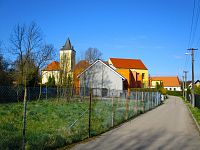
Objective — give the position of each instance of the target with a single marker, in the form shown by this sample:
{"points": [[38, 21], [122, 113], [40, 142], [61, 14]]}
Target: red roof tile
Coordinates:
{"points": [[54, 66], [128, 63], [168, 81]]}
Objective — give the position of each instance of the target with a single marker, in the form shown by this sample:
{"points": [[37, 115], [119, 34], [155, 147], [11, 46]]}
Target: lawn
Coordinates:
{"points": [[52, 124]]}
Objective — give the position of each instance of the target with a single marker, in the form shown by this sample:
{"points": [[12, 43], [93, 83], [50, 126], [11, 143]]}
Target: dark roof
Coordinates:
{"points": [[197, 81], [67, 45]]}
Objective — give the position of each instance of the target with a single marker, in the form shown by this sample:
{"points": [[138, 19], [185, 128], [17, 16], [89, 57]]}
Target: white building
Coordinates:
{"points": [[101, 76], [170, 83], [64, 67]]}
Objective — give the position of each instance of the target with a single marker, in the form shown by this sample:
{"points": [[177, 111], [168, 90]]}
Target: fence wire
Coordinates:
{"points": [[56, 117]]}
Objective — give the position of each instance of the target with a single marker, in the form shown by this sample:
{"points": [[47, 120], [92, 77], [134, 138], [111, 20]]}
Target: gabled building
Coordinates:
{"points": [[99, 76], [170, 83], [64, 68], [117, 73], [133, 70]]}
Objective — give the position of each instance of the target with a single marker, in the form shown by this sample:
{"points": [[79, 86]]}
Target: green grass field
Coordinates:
{"points": [[52, 123]]}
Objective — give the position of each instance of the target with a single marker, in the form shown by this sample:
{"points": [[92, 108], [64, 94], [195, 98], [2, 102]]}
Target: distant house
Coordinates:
{"points": [[197, 83], [170, 83], [52, 69], [133, 70], [99, 76]]}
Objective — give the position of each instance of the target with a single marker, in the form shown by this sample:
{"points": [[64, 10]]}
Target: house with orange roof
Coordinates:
{"points": [[171, 83], [52, 69], [133, 70], [117, 74]]}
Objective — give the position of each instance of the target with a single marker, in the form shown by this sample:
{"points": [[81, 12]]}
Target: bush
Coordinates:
{"points": [[144, 90], [174, 93]]}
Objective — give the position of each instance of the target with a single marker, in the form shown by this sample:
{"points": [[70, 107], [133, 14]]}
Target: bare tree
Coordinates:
{"points": [[92, 54], [27, 44], [44, 55]]}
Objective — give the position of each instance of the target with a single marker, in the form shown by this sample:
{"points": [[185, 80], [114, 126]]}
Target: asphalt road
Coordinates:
{"points": [[168, 127]]}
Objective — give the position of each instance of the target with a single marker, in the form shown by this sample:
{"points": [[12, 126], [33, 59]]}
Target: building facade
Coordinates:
{"points": [[63, 69], [134, 69], [100, 76], [171, 83]]}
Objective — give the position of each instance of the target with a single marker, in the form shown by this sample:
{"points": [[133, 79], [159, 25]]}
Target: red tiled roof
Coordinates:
{"points": [[128, 63], [53, 66], [168, 81], [81, 65]]}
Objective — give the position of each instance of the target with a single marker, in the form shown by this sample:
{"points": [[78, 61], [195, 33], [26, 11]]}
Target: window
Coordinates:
{"points": [[174, 89], [170, 89], [143, 75]]}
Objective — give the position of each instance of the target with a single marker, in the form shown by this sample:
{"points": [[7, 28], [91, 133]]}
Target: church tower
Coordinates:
{"points": [[67, 58]]}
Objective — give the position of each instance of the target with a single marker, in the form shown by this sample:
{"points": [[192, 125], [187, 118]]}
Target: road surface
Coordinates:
{"points": [[168, 127]]}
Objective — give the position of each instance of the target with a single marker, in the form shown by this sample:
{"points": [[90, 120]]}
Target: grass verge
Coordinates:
{"points": [[195, 113]]}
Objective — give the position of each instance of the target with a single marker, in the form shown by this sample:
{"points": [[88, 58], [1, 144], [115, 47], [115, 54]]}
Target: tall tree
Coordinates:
{"points": [[31, 51], [92, 54], [29, 47]]}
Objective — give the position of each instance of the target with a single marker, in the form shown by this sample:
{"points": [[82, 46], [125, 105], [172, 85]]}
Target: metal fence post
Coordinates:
{"points": [[136, 102], [46, 92], [127, 106], [112, 110], [143, 105], [90, 110]]}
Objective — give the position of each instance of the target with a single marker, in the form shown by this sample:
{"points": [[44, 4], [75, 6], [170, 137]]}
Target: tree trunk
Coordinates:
{"points": [[24, 118]]}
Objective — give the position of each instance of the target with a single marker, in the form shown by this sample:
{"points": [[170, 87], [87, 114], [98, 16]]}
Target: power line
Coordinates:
{"points": [[196, 22], [191, 28]]}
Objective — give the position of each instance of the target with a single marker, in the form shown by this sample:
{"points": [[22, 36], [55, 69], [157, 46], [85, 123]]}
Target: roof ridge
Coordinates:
{"points": [[128, 63], [124, 58]]}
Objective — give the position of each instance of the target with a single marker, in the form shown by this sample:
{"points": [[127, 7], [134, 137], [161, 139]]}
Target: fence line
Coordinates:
{"points": [[63, 116], [197, 99]]}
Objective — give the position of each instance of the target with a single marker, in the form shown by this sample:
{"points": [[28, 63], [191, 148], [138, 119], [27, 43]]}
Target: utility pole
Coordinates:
{"points": [[185, 86], [192, 54]]}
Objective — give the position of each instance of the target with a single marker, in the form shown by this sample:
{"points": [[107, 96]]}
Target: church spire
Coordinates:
{"points": [[67, 45]]}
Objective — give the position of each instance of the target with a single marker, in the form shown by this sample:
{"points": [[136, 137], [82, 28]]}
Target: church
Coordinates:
{"points": [[63, 69]]}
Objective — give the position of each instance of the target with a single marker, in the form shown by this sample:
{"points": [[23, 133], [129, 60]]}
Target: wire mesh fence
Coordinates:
{"points": [[197, 99], [56, 117]]}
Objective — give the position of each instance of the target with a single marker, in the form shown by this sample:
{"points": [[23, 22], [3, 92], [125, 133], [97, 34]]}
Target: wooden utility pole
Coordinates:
{"points": [[185, 84], [192, 54]]}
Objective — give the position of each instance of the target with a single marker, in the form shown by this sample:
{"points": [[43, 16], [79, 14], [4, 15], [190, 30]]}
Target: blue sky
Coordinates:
{"points": [[155, 31]]}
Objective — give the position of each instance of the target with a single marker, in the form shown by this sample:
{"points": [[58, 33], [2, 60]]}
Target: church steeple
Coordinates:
{"points": [[67, 45], [67, 57]]}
